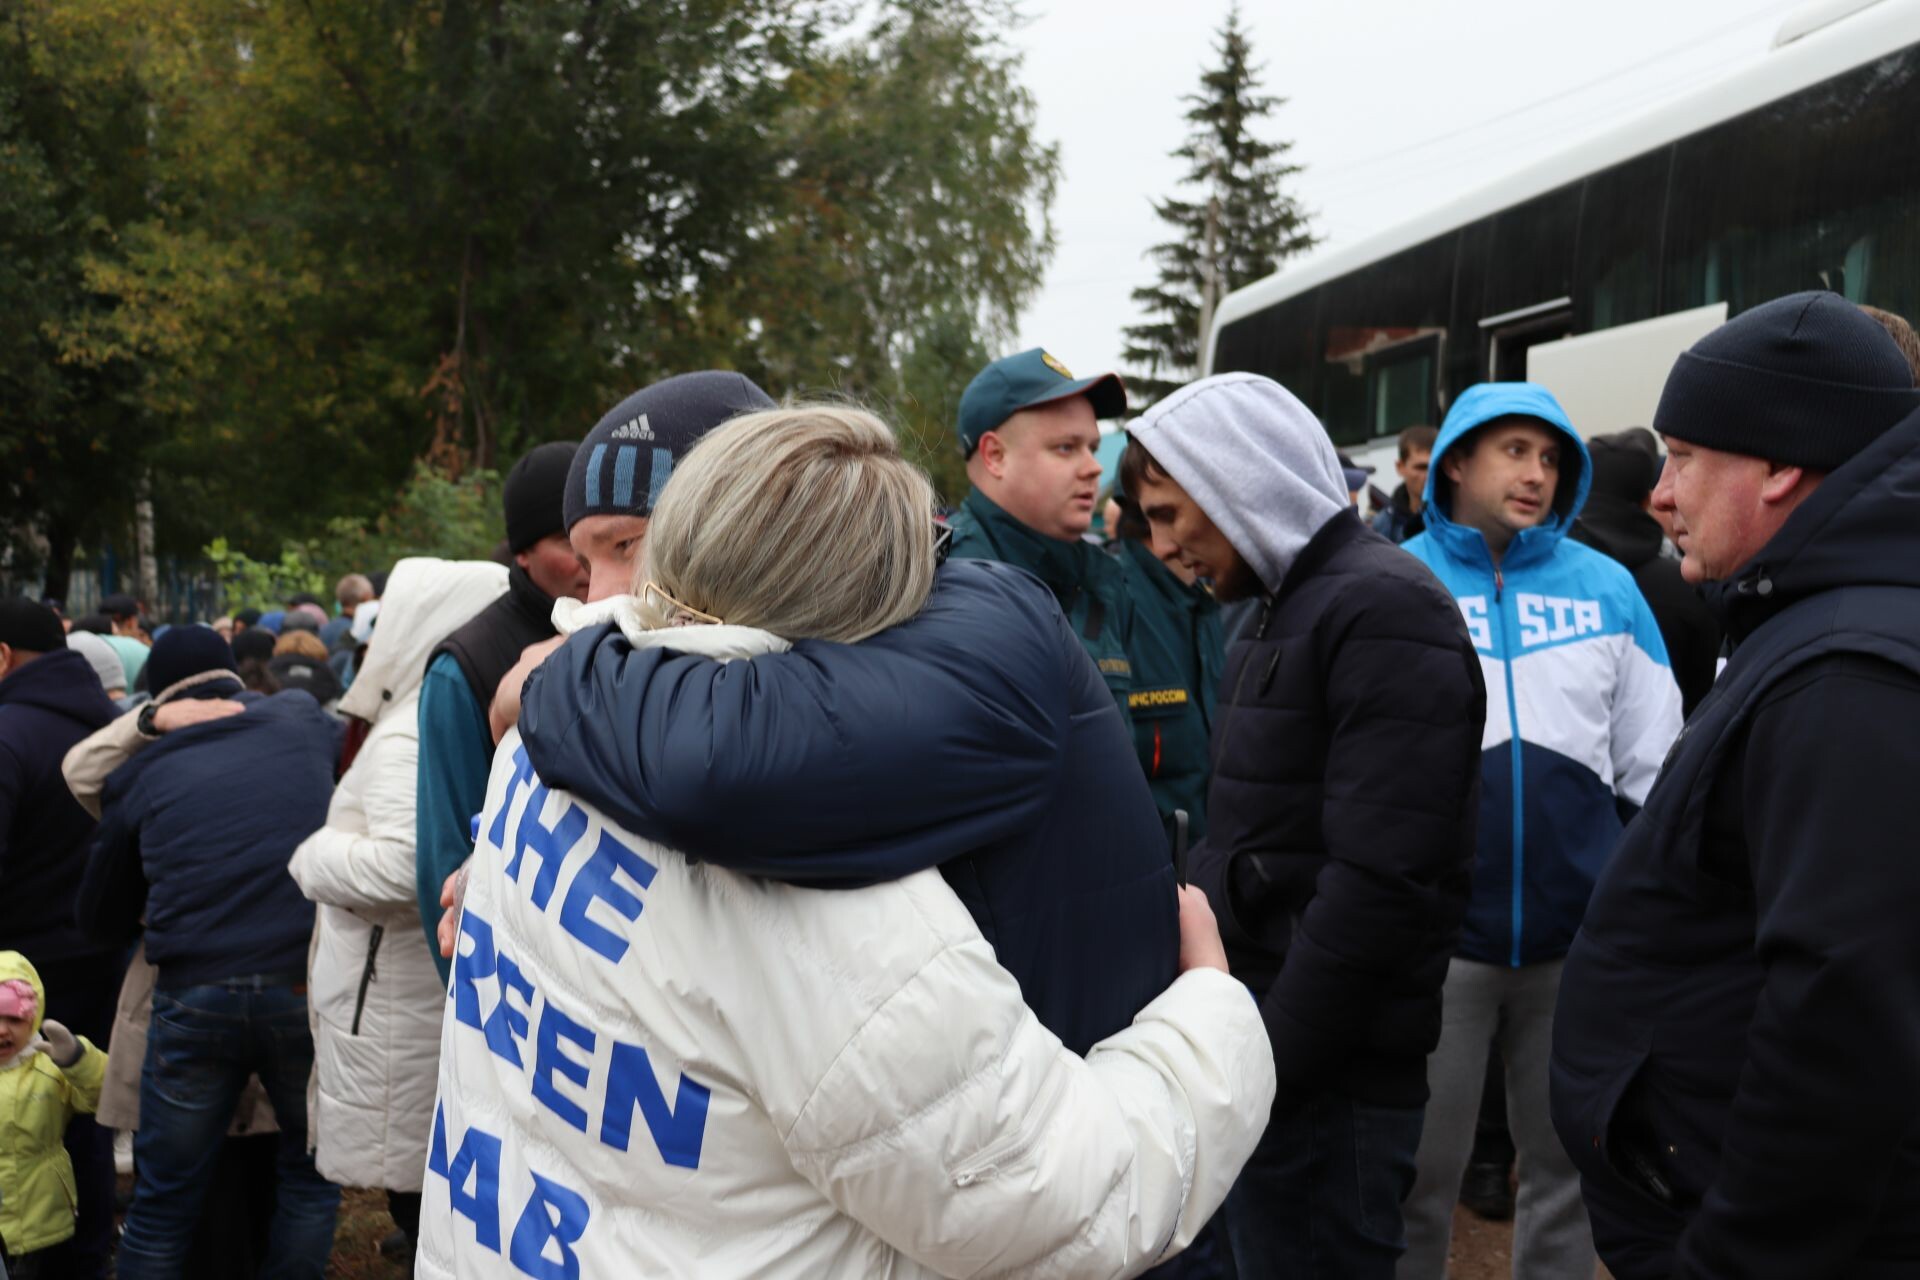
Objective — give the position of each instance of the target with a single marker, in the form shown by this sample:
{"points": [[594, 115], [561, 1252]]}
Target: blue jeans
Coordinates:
{"points": [[1321, 1196], [203, 1044]]}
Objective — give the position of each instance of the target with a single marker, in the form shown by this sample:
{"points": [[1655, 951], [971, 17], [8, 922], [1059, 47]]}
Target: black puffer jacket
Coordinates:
{"points": [[1343, 812], [1736, 1053]]}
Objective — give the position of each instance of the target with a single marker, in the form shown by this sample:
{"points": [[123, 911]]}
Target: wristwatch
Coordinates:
{"points": [[145, 723]]}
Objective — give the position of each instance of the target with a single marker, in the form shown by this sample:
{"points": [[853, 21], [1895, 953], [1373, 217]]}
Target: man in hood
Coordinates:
{"points": [[1028, 429], [1341, 812], [50, 698], [1582, 707], [1616, 521], [1735, 1058]]}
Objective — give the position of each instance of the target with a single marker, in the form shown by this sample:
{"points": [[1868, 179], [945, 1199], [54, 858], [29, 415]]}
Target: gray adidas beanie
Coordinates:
{"points": [[625, 461]]}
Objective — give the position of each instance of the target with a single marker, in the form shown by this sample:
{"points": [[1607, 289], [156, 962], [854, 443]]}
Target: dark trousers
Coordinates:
{"points": [[202, 1045], [1320, 1199]]}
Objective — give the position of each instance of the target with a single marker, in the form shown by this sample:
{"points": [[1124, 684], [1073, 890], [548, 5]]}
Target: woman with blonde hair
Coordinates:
{"points": [[652, 1065]]}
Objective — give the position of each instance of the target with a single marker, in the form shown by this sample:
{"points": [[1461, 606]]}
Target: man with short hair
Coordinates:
{"points": [[1028, 429], [456, 746], [351, 592], [1402, 519], [1341, 811], [194, 838], [51, 698], [1582, 707], [1737, 1047]]}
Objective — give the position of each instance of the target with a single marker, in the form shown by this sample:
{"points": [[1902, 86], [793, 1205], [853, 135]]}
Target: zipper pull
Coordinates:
{"points": [[1499, 583]]}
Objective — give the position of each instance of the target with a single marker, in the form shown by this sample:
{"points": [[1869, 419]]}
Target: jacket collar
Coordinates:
{"points": [[1063, 566], [1333, 535], [722, 643], [63, 682]]}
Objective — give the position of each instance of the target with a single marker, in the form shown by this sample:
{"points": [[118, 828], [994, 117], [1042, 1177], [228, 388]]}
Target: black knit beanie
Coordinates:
{"points": [[624, 462], [186, 651], [30, 626], [533, 494], [1806, 380]]}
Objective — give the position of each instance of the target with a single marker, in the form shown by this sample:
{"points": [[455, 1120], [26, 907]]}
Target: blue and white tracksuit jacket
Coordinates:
{"points": [[1581, 702]]}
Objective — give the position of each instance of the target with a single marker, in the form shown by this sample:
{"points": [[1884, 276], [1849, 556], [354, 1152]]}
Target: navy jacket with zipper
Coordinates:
{"points": [[978, 738], [196, 831]]}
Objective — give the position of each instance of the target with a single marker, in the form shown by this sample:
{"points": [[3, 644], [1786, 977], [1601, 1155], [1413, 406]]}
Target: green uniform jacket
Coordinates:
{"points": [[1084, 579], [36, 1101], [1179, 649]]}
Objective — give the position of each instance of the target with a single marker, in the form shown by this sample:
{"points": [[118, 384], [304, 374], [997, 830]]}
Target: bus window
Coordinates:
{"points": [[1616, 274], [1278, 342], [1380, 354], [1815, 191], [1532, 257]]}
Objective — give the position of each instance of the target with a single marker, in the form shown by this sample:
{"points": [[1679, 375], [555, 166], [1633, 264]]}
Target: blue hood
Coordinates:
{"points": [[1484, 403]]}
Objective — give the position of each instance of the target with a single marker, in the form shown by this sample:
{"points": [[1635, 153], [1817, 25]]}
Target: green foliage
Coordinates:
{"points": [[246, 583], [433, 516], [277, 252], [1240, 226]]}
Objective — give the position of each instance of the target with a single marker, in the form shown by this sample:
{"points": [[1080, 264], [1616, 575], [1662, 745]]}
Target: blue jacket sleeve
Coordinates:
{"points": [[832, 765], [456, 750]]}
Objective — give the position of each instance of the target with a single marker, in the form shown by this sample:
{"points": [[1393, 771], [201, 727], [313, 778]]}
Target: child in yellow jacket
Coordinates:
{"points": [[46, 1075]]}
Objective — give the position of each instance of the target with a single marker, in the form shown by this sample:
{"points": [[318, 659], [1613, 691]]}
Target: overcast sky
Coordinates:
{"points": [[1393, 106]]}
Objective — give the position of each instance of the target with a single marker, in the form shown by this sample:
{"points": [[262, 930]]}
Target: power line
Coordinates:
{"points": [[1485, 148], [1674, 51]]}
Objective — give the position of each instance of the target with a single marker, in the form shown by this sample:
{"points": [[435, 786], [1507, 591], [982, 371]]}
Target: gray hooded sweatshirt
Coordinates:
{"points": [[1258, 463]]}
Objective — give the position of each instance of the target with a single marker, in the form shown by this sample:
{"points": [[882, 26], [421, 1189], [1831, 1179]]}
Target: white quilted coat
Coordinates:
{"points": [[375, 995], [651, 1067]]}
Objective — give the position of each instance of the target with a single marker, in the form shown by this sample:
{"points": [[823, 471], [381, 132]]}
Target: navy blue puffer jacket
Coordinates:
{"points": [[978, 738], [196, 831]]}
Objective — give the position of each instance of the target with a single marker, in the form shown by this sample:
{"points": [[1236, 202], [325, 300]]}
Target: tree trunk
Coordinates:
{"points": [[61, 541], [148, 566]]}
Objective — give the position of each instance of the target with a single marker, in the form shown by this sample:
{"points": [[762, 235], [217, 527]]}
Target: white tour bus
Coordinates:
{"points": [[1591, 271]]}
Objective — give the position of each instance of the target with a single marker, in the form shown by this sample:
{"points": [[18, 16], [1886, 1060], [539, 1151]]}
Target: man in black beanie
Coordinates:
{"points": [[456, 747], [191, 857], [1615, 521], [1737, 1041]]}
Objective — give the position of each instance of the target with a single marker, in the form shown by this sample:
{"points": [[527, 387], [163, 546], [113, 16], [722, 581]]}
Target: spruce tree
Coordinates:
{"points": [[1239, 226]]}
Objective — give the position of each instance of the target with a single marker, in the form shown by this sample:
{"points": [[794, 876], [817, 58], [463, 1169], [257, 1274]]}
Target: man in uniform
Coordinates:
{"points": [[1029, 429]]}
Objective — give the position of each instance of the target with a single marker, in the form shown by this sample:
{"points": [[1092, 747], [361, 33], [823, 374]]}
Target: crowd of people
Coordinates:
{"points": [[904, 874]]}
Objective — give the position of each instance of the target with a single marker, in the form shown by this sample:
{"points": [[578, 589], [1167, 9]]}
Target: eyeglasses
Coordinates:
{"points": [[675, 608]]}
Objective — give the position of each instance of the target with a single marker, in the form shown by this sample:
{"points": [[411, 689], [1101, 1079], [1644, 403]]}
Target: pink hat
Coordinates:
{"points": [[17, 999]]}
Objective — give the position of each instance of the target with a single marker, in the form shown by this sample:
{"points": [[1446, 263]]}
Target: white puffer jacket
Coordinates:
{"points": [[375, 995], [652, 1067]]}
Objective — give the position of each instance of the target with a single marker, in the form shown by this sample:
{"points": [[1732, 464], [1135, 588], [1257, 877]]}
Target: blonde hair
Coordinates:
{"points": [[805, 521], [304, 643]]}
